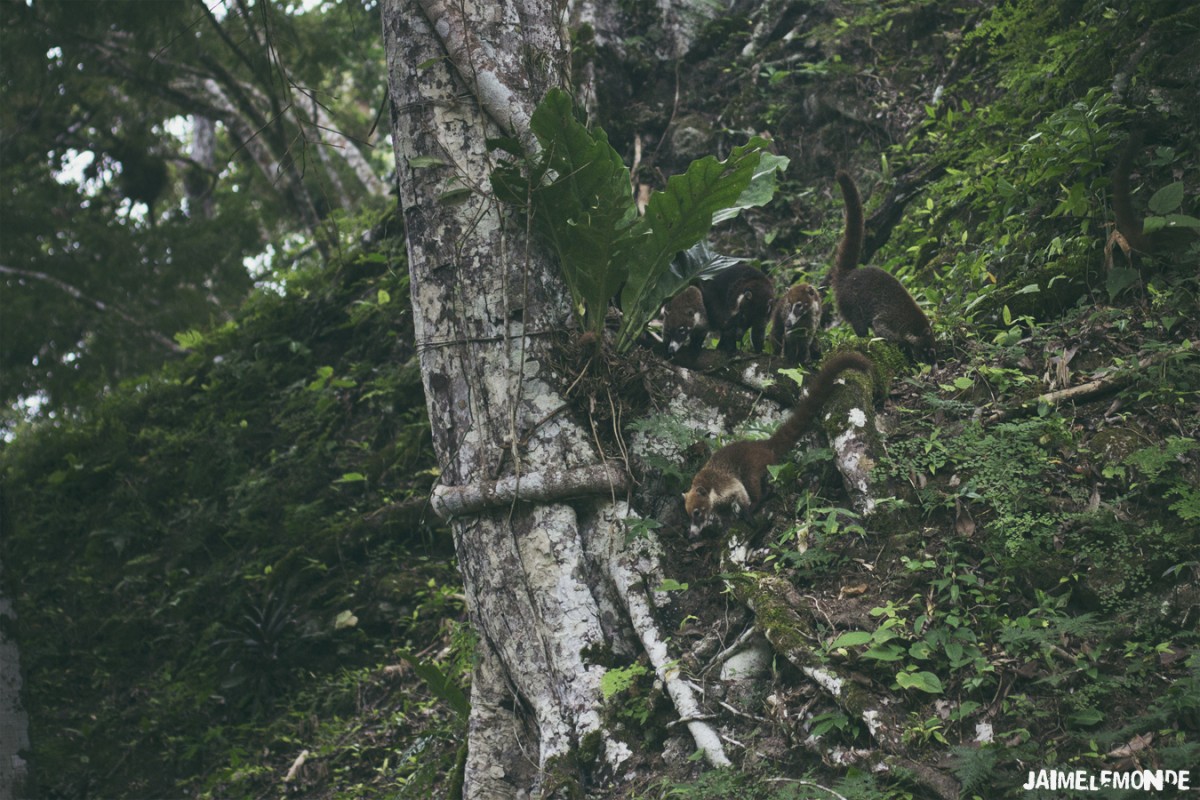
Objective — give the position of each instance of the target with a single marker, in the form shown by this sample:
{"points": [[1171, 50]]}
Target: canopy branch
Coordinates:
{"points": [[99, 305]]}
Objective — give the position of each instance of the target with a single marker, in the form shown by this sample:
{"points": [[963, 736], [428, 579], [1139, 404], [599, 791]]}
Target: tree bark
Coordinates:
{"points": [[485, 302], [547, 582]]}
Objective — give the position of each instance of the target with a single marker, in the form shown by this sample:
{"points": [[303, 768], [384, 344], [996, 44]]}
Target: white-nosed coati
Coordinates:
{"points": [[737, 473], [868, 297], [685, 323], [795, 324], [735, 301]]}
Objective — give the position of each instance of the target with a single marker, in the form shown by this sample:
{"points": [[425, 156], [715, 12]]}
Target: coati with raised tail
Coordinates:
{"points": [[795, 323], [868, 297], [737, 473], [737, 300], [1127, 222]]}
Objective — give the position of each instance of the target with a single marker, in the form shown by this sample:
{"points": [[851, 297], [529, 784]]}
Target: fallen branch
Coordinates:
{"points": [[790, 634], [849, 422], [1086, 392], [873, 762], [889, 212]]}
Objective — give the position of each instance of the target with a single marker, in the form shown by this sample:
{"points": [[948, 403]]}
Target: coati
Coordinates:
{"points": [[795, 323], [737, 473], [1127, 222], [868, 297], [685, 323], [736, 300]]}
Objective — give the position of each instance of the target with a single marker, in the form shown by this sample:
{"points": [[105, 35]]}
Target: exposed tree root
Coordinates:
{"points": [[783, 618], [627, 569]]}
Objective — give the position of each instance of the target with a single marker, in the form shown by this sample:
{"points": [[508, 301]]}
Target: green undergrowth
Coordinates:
{"points": [[212, 567], [1028, 591], [1037, 579], [1018, 212]]}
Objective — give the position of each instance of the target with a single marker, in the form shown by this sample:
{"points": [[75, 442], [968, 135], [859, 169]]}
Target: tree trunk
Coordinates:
{"points": [[484, 302], [204, 154]]}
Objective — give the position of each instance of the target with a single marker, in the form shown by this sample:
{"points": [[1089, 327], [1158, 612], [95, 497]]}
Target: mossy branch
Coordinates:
{"points": [[779, 609]]}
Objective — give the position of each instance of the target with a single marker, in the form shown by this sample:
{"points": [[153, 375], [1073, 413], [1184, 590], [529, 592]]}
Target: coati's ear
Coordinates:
{"points": [[684, 496]]}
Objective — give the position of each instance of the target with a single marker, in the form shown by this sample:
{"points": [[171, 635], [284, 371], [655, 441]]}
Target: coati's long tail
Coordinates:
{"points": [[786, 436], [850, 250], [1127, 222]]}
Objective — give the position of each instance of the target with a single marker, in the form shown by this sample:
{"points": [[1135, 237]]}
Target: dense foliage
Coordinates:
{"points": [[578, 196], [1033, 596], [209, 544]]}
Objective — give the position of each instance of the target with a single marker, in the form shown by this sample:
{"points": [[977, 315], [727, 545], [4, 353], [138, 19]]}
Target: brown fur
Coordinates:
{"points": [[736, 475], [735, 301], [869, 298], [1129, 224], [738, 300], [795, 324], [685, 323]]}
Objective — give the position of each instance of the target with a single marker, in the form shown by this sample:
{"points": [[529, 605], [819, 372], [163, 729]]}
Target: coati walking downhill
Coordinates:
{"points": [[736, 475]]}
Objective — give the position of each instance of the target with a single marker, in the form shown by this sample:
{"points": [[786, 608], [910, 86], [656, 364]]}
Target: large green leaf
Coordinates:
{"points": [[761, 188], [581, 200], [676, 219], [578, 193]]}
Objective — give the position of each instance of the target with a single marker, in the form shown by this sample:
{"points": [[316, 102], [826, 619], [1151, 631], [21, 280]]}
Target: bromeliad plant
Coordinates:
{"points": [[578, 195]]}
